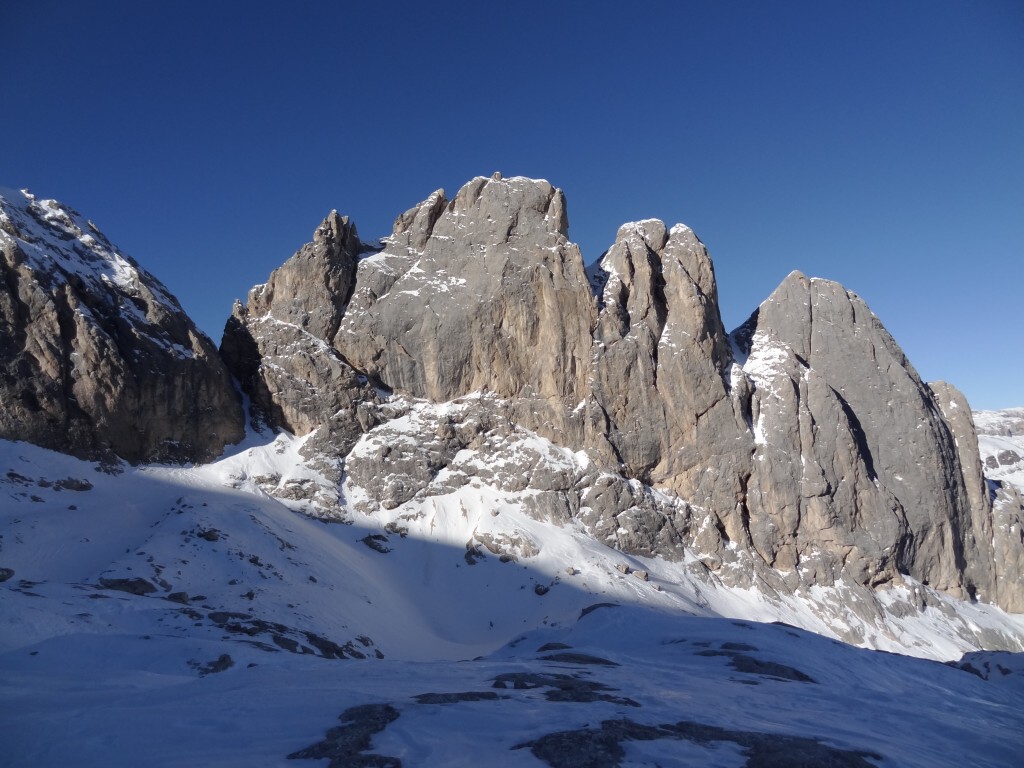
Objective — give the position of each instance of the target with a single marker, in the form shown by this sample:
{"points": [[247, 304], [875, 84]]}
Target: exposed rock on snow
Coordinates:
{"points": [[819, 457], [96, 357], [601, 747], [349, 743]]}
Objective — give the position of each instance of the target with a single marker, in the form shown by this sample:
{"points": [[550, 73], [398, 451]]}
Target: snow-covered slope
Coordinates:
{"points": [[1008, 422], [1001, 443], [183, 615], [419, 581], [621, 686]]}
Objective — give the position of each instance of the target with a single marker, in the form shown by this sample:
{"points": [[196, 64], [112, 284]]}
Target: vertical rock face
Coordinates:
{"points": [[1008, 546], [278, 345], [818, 456], [660, 389], [313, 287], [480, 294], [981, 563], [855, 469], [96, 357]]}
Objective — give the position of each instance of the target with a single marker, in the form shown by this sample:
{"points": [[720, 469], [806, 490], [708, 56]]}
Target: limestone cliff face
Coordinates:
{"points": [[856, 472], [982, 562], [278, 344], [484, 294], [815, 454], [1007, 546], [661, 389], [96, 357]]}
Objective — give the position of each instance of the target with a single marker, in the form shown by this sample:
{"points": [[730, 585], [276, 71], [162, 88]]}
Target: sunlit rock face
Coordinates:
{"points": [[803, 449], [97, 358], [661, 392], [483, 293]]}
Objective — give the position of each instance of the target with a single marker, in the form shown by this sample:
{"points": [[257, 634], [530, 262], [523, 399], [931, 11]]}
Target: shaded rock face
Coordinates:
{"points": [[278, 345], [1008, 545], [982, 563], [96, 356], [856, 471], [818, 455]]}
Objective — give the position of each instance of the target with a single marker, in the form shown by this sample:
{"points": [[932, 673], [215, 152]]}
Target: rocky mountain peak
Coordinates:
{"points": [[496, 210], [819, 454], [312, 288], [834, 388], [801, 450], [413, 228], [651, 232], [97, 357], [278, 344], [482, 294]]}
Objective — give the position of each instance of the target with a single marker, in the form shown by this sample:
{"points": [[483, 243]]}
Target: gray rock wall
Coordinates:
{"points": [[879, 481], [96, 357], [817, 456], [981, 561], [278, 345], [661, 392], [480, 294]]}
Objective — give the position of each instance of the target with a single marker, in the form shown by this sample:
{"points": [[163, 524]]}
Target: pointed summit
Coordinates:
{"points": [[96, 356]]}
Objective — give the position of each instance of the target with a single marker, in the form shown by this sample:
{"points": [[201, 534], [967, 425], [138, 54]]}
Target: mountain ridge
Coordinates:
{"points": [[98, 358], [659, 396], [818, 455], [492, 503]]}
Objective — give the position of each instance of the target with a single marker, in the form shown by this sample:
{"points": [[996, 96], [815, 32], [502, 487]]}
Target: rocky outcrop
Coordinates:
{"points": [[97, 358], [1008, 546], [856, 470], [480, 294], [802, 450], [661, 392], [982, 564], [278, 345], [1001, 442]]}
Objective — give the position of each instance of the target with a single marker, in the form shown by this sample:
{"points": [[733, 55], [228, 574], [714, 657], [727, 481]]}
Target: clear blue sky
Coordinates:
{"points": [[880, 144]]}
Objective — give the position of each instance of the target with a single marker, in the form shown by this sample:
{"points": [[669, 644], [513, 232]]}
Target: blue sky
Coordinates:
{"points": [[880, 144]]}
